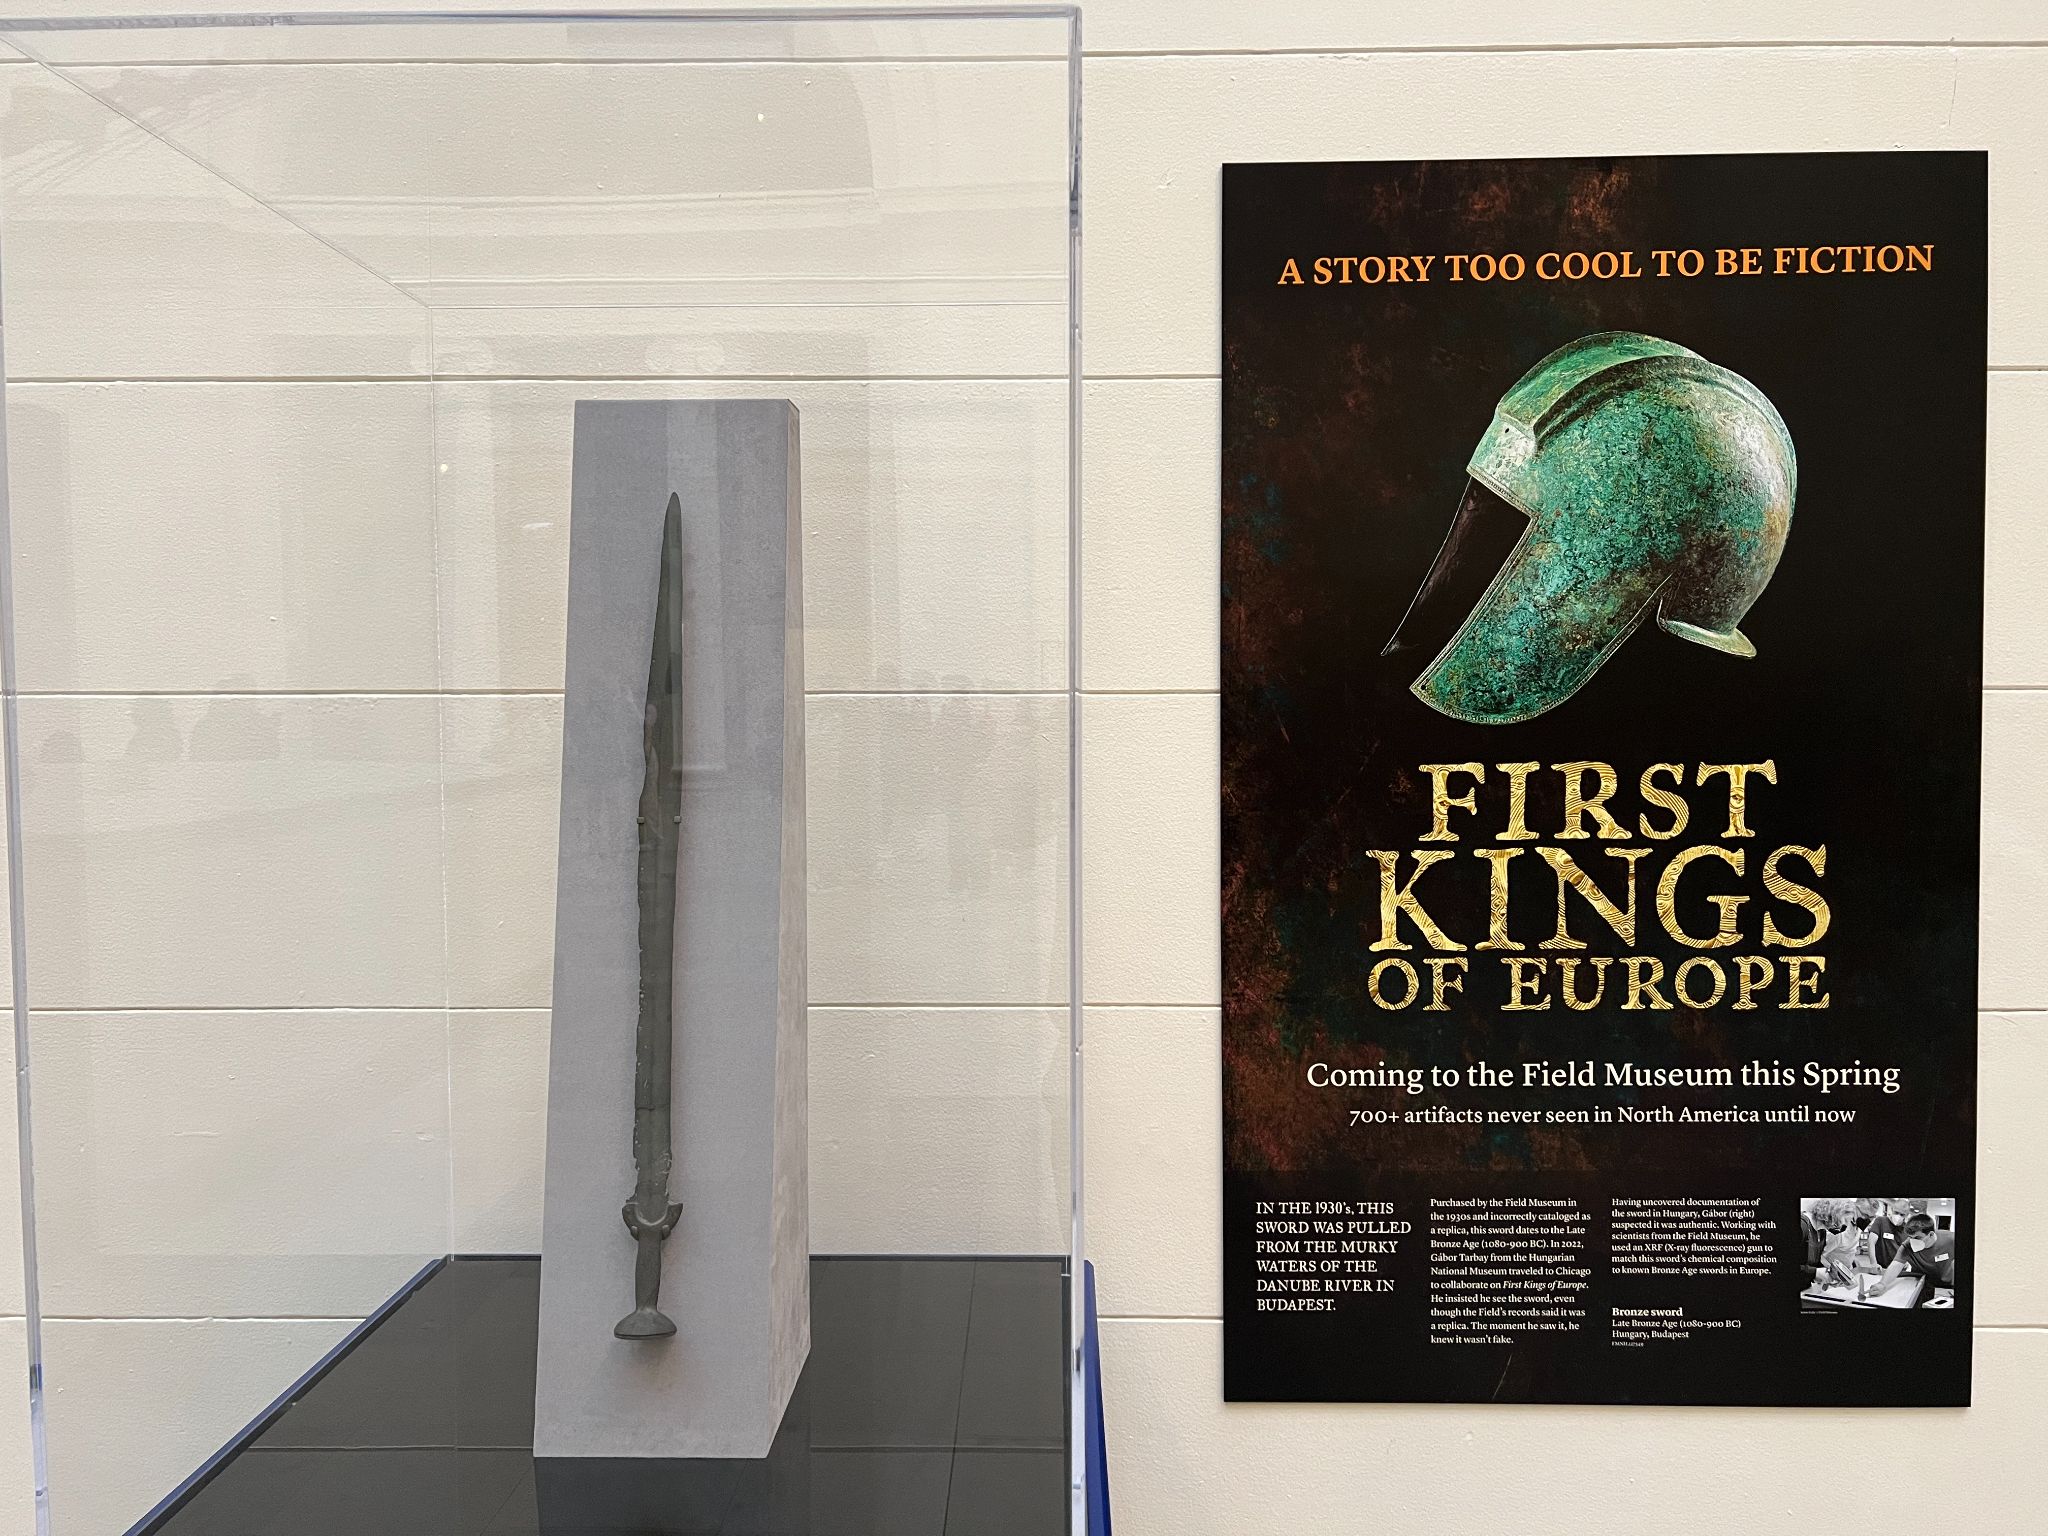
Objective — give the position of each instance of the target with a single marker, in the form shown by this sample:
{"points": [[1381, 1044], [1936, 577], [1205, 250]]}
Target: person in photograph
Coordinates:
{"points": [[1878, 1234], [1843, 1248], [1820, 1227], [1924, 1250]]}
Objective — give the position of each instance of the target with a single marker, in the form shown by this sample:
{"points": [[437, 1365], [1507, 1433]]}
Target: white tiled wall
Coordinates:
{"points": [[1172, 90]]}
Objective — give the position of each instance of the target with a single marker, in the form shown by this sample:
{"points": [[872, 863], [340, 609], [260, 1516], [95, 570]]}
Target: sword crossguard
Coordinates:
{"points": [[657, 1225]]}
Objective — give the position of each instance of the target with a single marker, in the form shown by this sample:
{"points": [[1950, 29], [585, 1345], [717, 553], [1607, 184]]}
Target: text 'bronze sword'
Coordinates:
{"points": [[649, 1215]]}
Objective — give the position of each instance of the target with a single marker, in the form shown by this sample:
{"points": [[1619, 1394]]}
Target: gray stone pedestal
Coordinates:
{"points": [[736, 1268]]}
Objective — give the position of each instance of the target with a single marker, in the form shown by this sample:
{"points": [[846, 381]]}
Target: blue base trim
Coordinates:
{"points": [[1091, 1376], [176, 1498]]}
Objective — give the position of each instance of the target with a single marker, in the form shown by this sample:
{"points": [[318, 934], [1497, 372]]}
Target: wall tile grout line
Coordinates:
{"points": [[437, 381], [812, 695], [441, 380], [1458, 50], [1053, 1006], [509, 693], [541, 61], [1112, 54], [1056, 1005]]}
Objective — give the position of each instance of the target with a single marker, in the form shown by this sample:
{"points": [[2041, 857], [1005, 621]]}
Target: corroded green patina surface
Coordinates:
{"points": [[1651, 478]]}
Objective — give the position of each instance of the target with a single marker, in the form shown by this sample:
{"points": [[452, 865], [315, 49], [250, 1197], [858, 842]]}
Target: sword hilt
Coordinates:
{"points": [[649, 1229]]}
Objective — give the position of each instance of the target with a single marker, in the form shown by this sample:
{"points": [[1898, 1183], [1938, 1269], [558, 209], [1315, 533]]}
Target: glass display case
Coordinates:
{"points": [[298, 310]]}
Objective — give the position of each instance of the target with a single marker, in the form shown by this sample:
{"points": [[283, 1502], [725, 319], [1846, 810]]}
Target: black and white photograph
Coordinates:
{"points": [[1891, 1253]]}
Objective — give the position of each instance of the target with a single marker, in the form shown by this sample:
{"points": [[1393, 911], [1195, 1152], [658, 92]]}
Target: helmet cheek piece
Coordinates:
{"points": [[1635, 478], [1730, 562], [1718, 634]]}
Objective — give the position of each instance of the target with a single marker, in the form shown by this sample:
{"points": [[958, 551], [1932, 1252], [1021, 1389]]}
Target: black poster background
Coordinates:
{"points": [[1349, 413]]}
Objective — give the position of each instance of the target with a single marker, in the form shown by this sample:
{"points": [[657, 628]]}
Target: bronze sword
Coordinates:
{"points": [[649, 1215]]}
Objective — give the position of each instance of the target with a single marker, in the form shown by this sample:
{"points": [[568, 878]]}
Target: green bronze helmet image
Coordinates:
{"points": [[1622, 474]]}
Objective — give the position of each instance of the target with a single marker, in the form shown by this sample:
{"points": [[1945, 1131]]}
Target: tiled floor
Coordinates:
{"points": [[934, 1404]]}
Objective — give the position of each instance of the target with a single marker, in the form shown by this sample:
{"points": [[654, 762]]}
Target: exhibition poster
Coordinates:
{"points": [[1602, 565]]}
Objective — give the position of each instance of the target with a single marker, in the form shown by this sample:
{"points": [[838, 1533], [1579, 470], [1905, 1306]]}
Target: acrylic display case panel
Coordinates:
{"points": [[296, 312]]}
